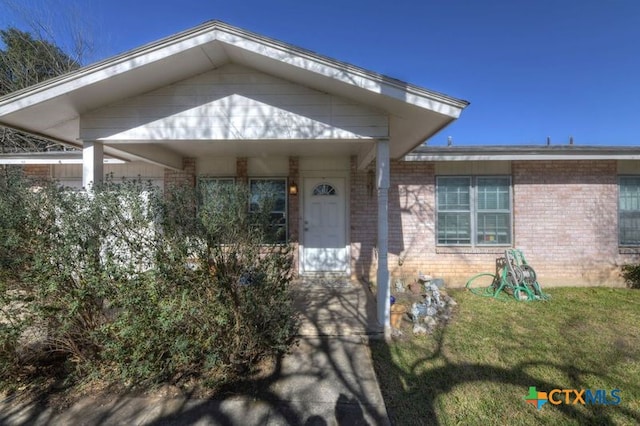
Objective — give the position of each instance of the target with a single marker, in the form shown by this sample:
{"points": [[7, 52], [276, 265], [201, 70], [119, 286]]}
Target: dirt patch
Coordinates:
{"points": [[54, 389]]}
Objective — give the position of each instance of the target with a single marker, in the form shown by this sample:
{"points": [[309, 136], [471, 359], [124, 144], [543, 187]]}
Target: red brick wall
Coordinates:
{"points": [[186, 176], [411, 218], [37, 171], [565, 220], [363, 208], [412, 233], [242, 170], [293, 203]]}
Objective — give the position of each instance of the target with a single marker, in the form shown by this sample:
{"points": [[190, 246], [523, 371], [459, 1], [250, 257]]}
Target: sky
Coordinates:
{"points": [[531, 69]]}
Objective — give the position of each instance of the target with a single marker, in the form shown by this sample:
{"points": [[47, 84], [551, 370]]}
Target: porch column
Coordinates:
{"points": [[92, 163], [382, 279]]}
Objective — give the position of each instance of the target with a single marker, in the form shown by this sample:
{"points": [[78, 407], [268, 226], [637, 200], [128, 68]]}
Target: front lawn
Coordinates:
{"points": [[478, 368]]}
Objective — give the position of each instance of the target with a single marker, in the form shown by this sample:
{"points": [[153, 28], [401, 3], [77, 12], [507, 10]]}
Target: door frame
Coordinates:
{"points": [[347, 220]]}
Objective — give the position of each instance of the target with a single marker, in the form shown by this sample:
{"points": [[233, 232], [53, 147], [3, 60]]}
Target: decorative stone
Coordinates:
{"points": [[415, 288], [422, 278], [438, 282], [419, 310], [432, 293], [419, 329], [430, 322], [397, 333], [434, 309]]}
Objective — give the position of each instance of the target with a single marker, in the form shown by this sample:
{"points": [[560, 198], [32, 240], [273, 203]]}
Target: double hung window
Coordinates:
{"points": [[474, 210], [210, 187], [629, 211], [273, 192]]}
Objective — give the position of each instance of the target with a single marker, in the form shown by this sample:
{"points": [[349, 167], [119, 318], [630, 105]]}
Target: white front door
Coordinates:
{"points": [[324, 226]]}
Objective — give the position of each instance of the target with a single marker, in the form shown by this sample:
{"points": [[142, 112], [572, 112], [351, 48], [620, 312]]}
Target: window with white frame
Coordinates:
{"points": [[210, 187], [629, 211], [276, 190], [473, 210]]}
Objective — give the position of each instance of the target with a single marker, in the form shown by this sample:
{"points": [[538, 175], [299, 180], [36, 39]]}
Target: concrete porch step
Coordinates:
{"points": [[329, 309], [330, 328]]}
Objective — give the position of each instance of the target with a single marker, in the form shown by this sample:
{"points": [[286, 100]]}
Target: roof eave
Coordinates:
{"points": [[351, 74], [530, 153], [49, 157]]}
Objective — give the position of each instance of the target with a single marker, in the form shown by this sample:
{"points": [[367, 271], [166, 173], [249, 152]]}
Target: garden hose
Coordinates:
{"points": [[489, 291], [514, 276]]}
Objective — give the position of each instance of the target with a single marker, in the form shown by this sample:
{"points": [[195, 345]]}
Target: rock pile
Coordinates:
{"points": [[435, 308]]}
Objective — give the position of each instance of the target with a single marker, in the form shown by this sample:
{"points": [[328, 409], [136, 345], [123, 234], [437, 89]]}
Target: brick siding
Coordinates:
{"points": [[186, 176], [565, 220], [293, 215], [37, 172], [363, 208], [242, 170]]}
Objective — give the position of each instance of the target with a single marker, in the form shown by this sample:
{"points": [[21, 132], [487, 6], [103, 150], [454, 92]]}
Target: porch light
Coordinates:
{"points": [[293, 188]]}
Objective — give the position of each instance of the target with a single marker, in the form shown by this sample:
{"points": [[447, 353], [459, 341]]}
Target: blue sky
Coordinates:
{"points": [[530, 69]]}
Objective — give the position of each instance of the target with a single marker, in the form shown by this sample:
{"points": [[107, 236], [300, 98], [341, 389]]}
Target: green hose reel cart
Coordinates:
{"points": [[514, 277]]}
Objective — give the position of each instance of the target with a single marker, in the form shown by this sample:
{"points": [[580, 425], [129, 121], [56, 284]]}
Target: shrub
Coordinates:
{"points": [[10, 331], [148, 286], [16, 203], [631, 275], [218, 299], [16, 249]]}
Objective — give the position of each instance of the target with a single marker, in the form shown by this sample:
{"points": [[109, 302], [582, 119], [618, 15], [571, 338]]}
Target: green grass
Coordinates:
{"points": [[478, 368]]}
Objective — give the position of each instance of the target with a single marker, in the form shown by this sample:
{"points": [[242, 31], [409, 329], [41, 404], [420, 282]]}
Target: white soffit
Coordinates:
{"points": [[523, 153], [52, 108], [52, 157]]}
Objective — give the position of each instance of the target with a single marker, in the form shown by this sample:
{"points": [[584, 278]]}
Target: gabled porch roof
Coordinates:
{"points": [[53, 109]]}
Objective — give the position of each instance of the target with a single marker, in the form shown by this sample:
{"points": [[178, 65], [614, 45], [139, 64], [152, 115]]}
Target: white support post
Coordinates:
{"points": [[92, 164], [383, 279]]}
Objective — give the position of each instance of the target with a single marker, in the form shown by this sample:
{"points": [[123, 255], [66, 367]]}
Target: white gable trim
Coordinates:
{"points": [[340, 71], [52, 108], [100, 71], [235, 37]]}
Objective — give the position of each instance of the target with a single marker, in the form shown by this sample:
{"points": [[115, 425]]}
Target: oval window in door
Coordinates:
{"points": [[324, 189]]}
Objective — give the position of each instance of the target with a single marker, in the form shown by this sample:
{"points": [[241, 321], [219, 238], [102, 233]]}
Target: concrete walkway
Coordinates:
{"points": [[336, 307], [327, 379]]}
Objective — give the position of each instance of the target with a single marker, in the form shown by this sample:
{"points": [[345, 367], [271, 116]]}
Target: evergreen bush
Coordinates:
{"points": [[141, 285], [631, 275]]}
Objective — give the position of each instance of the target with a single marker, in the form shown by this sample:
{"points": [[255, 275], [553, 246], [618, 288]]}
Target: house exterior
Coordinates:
{"points": [[360, 195]]}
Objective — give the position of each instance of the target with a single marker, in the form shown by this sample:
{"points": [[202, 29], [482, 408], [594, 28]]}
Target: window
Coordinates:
{"points": [[474, 210], [209, 187], [275, 190], [493, 211], [324, 189], [213, 191], [629, 211], [454, 210]]}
